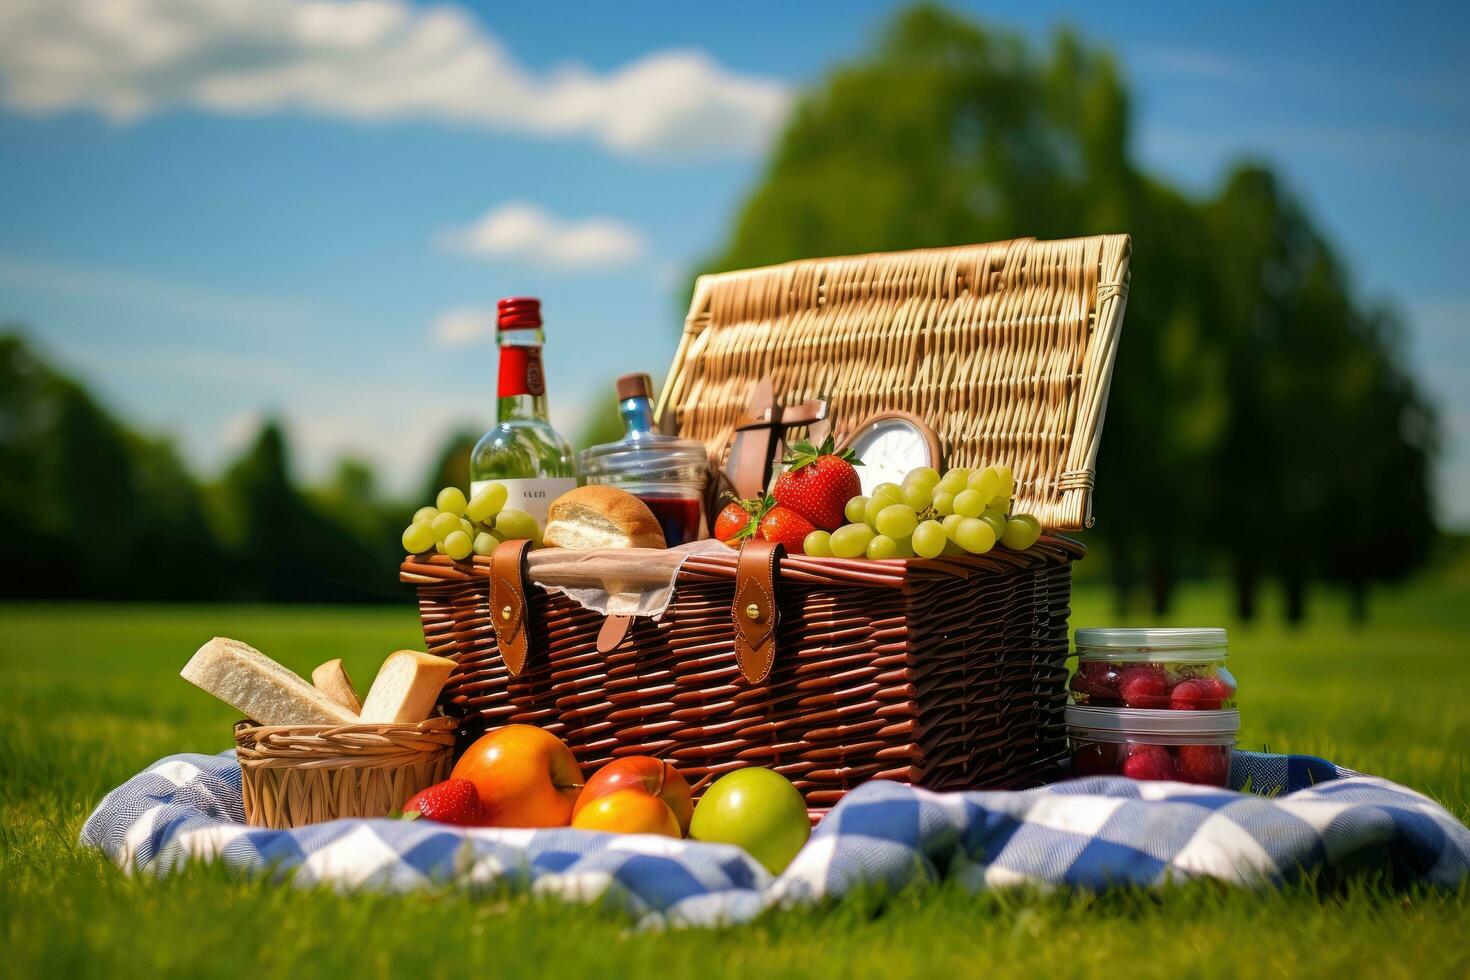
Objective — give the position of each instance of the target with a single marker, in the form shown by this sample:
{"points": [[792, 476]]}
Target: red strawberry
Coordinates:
{"points": [[739, 518], [1144, 687], [1196, 694], [818, 483], [1205, 764], [784, 525], [453, 801], [1147, 762]]}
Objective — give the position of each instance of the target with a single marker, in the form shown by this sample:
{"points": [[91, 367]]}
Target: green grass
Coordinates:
{"points": [[89, 695]]}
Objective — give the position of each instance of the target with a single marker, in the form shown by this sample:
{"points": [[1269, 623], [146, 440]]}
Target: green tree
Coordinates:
{"points": [[1243, 347]]}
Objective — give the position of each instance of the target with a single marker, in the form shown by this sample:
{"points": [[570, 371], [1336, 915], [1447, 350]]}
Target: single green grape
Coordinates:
{"points": [[467, 527], [850, 540], [950, 522], [485, 543], [986, 483], [854, 509], [968, 503], [1000, 504], [458, 545], [872, 507], [425, 513], [882, 546], [487, 503], [926, 475], [439, 547], [944, 502], [996, 520], [975, 536], [1007, 480], [955, 480], [444, 524], [818, 544], [418, 537], [897, 521], [511, 524], [889, 489], [928, 539], [1021, 532], [451, 500], [916, 495]]}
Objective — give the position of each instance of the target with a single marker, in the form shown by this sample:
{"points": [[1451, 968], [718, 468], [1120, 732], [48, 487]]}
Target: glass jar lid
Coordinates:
{"points": [[1155, 644], [1151, 721], [646, 457]]}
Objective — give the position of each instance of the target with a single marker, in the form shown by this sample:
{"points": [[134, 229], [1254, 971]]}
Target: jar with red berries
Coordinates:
{"points": [[1159, 669], [1153, 744]]}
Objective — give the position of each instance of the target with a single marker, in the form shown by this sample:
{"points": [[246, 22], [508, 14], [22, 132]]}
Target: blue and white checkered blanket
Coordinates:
{"points": [[1088, 833]]}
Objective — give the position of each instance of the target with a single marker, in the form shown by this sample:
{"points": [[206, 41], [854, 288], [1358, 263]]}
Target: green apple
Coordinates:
{"points": [[757, 809]]}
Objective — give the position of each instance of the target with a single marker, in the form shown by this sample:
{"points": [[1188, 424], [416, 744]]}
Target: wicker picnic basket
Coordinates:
{"points": [[294, 775], [945, 673]]}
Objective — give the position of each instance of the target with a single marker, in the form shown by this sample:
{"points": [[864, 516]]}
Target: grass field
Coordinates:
{"points": [[89, 695]]}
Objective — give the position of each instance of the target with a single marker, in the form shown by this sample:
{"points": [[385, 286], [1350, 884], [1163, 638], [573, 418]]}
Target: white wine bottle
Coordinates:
{"points": [[523, 451]]}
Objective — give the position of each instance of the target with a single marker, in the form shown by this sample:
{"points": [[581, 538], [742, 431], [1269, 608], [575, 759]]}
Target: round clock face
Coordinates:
{"points": [[889, 448]]}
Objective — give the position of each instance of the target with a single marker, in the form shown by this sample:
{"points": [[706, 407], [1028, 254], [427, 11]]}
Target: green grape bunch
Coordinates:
{"points": [[961, 512], [458, 527]]}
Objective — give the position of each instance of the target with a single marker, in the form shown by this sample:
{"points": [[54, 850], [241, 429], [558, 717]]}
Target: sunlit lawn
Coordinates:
{"points": [[89, 695]]}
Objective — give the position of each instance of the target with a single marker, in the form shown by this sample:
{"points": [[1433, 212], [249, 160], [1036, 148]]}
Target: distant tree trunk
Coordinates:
{"points": [[1358, 599], [1295, 588], [1120, 570], [1247, 584], [1161, 583]]}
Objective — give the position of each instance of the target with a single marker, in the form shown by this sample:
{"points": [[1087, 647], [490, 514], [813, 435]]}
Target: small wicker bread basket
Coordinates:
{"points": [[302, 774]]}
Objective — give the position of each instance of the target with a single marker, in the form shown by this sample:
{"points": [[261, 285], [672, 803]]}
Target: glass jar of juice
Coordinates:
{"points": [[667, 473], [1161, 669]]}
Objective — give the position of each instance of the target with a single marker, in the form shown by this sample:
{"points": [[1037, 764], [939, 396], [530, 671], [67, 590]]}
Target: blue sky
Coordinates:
{"points": [[214, 212]]}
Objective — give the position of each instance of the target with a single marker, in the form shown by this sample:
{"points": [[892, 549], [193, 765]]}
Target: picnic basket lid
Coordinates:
{"points": [[1005, 349]]}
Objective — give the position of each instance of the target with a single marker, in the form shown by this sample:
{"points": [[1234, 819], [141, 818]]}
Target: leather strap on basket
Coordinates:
{"points": [[754, 609], [508, 603], [614, 630]]}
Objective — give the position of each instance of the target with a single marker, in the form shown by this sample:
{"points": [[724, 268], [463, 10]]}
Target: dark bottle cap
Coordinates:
{"points": [[519, 313], [634, 386]]}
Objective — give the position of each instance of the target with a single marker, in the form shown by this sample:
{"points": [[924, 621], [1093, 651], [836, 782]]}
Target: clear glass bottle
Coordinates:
{"points": [[523, 451]]}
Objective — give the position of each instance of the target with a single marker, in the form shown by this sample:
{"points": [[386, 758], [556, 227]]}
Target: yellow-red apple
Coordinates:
{"points": [[642, 772], [628, 811], [526, 777]]}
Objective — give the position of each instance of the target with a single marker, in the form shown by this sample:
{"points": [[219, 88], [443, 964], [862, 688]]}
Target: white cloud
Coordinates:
{"points": [[366, 60], [463, 326], [525, 232]]}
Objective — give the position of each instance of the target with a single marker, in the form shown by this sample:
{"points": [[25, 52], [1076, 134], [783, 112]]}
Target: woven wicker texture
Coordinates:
{"points": [[1006, 350], [948, 673], [292, 776]]}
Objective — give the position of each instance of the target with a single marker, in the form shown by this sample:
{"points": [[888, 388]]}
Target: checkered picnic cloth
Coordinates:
{"points": [[1086, 833]]}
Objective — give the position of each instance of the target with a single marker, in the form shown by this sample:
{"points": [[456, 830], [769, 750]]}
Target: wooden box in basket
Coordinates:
{"points": [[946, 673]]}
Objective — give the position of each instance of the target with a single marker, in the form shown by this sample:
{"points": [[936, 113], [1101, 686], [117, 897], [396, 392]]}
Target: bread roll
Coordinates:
{"points": [[601, 517], [332, 680]]}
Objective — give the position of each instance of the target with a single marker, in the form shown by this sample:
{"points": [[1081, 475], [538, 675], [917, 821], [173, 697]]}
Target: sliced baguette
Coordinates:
{"points": [[406, 688], [266, 692], [332, 680]]}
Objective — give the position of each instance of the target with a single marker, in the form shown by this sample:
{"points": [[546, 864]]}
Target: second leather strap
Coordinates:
{"points": [[754, 612]]}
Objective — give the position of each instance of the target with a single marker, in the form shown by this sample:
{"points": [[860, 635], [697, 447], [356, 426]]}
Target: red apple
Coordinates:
{"points": [[646, 774], [526, 777], [627, 811]]}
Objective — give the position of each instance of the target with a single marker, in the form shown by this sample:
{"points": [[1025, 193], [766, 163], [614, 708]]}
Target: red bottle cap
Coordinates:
{"points": [[519, 313]]}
